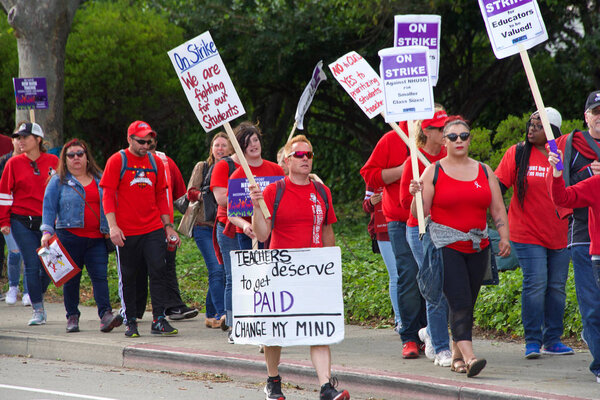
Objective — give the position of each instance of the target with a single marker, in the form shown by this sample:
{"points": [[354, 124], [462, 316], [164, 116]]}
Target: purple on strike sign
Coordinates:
{"points": [[494, 7], [405, 65], [30, 93]]}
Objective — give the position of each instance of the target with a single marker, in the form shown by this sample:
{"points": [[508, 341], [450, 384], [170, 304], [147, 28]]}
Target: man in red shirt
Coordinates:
{"points": [[384, 168], [302, 221], [136, 207]]}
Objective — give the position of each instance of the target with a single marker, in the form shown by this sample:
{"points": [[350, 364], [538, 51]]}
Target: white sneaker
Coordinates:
{"points": [[443, 358], [26, 300], [11, 296], [429, 350], [38, 318]]}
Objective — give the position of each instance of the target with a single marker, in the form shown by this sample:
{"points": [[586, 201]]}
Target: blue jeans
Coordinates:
{"points": [[385, 247], [437, 313], [91, 253], [215, 296], [410, 302], [245, 242], [13, 263], [28, 242], [545, 273], [588, 297], [227, 244]]}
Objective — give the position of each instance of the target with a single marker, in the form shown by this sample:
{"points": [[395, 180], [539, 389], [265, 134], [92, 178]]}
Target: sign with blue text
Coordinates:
{"points": [[239, 203], [206, 82], [420, 30], [513, 25], [31, 93], [287, 297], [407, 87]]}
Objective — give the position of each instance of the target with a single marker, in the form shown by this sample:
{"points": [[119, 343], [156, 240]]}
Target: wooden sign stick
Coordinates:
{"points": [[245, 166], [32, 115], [413, 129], [404, 138], [293, 130]]}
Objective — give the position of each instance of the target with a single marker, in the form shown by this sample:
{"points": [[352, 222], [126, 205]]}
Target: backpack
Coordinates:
{"points": [[124, 166], [208, 198], [280, 187]]}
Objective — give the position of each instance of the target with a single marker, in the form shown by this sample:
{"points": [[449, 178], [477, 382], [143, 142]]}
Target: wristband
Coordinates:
{"points": [[47, 233], [169, 226]]}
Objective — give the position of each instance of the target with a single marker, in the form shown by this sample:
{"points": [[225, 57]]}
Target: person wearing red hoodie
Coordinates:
{"points": [[384, 168]]}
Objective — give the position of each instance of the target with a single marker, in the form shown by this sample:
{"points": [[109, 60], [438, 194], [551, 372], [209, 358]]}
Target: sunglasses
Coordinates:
{"points": [[453, 136], [36, 170], [143, 142], [78, 153], [301, 154]]}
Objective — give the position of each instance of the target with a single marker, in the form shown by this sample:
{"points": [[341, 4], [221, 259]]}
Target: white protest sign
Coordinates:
{"points": [[206, 82], [360, 81], [513, 25], [287, 297], [420, 30], [318, 76], [406, 83]]}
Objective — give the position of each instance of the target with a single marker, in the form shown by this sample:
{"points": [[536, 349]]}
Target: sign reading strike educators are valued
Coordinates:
{"points": [[513, 25], [420, 30], [206, 82], [30, 93], [406, 83], [360, 81], [287, 297], [239, 203]]}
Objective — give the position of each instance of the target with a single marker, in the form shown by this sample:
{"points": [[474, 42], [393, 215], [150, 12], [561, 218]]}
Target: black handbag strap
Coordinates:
{"points": [[86, 203]]}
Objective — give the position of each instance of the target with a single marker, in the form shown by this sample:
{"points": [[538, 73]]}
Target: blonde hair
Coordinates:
{"points": [[211, 159], [287, 149], [421, 138]]}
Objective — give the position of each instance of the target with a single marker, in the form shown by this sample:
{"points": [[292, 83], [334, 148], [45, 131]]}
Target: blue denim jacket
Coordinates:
{"points": [[63, 206], [430, 277]]}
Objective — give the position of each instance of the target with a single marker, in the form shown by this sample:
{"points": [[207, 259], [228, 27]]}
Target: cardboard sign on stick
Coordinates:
{"points": [[206, 82], [420, 30], [318, 76], [287, 297], [513, 25]]}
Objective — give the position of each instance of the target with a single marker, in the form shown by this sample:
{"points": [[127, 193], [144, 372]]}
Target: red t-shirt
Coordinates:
{"points": [[389, 152], [377, 226], [140, 197], [91, 223], [462, 205], [300, 215], [536, 222], [407, 175], [22, 188], [175, 182], [267, 168], [220, 178], [582, 194]]}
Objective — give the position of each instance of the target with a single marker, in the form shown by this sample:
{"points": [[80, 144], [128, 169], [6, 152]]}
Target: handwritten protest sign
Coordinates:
{"points": [[420, 30], [360, 81], [205, 81], [513, 25], [30, 93], [239, 203], [57, 262], [287, 297]]}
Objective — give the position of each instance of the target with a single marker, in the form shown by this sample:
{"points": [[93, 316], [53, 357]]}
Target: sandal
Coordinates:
{"points": [[458, 365], [475, 366]]}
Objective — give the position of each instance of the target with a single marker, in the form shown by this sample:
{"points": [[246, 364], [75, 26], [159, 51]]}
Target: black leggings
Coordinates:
{"points": [[463, 274]]}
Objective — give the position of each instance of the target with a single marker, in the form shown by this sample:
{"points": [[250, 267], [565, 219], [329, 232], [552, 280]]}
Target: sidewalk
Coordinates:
{"points": [[367, 361]]}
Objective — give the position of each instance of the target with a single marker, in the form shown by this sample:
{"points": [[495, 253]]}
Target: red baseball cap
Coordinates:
{"points": [[438, 120], [140, 129]]}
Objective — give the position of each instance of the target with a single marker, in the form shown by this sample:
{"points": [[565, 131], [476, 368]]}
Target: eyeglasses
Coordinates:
{"points": [[78, 153], [36, 170], [143, 142], [301, 154], [539, 127], [453, 136]]}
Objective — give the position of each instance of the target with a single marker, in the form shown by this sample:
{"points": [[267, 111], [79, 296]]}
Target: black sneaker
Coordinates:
{"points": [[73, 323], [328, 391], [178, 313], [273, 388], [131, 329], [160, 326]]}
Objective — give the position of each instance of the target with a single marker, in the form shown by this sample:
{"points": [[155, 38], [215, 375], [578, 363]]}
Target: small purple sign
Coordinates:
{"points": [[30, 93], [239, 203], [417, 34], [404, 66], [494, 7]]}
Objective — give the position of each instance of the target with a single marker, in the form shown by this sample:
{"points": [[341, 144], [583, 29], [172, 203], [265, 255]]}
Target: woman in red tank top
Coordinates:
{"points": [[458, 202]]}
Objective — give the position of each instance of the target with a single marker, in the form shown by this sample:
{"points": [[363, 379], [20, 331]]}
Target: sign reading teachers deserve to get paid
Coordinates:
{"points": [[206, 82], [287, 297]]}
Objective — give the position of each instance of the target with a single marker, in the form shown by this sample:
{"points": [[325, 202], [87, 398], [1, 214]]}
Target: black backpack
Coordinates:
{"points": [[208, 198]]}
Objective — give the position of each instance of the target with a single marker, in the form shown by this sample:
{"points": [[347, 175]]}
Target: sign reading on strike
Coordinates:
{"points": [[30, 93], [513, 25], [206, 82], [420, 30], [287, 297], [360, 81], [318, 76], [406, 83], [239, 203]]}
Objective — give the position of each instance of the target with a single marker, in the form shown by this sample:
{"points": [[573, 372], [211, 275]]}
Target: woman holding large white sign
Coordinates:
{"points": [[457, 192]]}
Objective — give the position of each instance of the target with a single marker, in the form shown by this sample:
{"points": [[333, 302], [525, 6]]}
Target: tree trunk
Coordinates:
{"points": [[42, 28]]}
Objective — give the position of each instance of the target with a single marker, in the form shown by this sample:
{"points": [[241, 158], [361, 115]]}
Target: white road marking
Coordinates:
{"points": [[65, 394]]}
